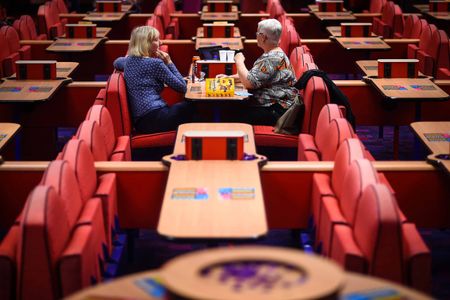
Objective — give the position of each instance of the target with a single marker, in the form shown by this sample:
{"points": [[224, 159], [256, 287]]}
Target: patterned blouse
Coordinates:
{"points": [[273, 79], [145, 78]]}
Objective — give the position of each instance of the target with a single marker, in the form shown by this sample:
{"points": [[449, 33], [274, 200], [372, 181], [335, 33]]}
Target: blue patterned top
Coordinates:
{"points": [[145, 78]]}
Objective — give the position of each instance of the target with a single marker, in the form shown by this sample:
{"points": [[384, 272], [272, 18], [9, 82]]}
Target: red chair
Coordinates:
{"points": [[54, 259], [117, 148], [443, 71], [410, 22], [391, 21], [156, 22], [418, 28], [4, 60], [340, 210], [48, 20], [315, 96], [11, 50], [428, 55], [26, 28], [14, 42], [331, 131], [171, 25], [8, 263], [117, 104], [77, 153], [299, 58], [61, 8], [424, 41], [380, 244]]}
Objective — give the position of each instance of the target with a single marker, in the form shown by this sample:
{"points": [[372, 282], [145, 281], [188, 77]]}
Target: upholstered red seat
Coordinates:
{"points": [[341, 210], [391, 21], [8, 263], [299, 59], [424, 41], [77, 153], [117, 148], [117, 104], [53, 259], [156, 22], [48, 20], [428, 54], [289, 39], [410, 22], [26, 28], [331, 130], [315, 96], [443, 71], [380, 244], [61, 176], [11, 50], [171, 25], [61, 8], [14, 42]]}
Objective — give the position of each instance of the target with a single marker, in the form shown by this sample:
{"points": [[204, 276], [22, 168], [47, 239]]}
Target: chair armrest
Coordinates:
{"points": [[307, 149]]}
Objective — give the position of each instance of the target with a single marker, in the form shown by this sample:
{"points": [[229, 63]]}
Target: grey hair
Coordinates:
{"points": [[272, 29]]}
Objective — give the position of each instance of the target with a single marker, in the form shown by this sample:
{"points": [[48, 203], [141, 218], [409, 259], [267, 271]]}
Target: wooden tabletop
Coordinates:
{"points": [[232, 43], [336, 31], [7, 131], [415, 89], [147, 285], [213, 199], [100, 32], [220, 16], [104, 16], [436, 136], [370, 67], [234, 9], [440, 15], [315, 7], [422, 7], [236, 33], [196, 92], [362, 43], [249, 143], [63, 69], [334, 16], [74, 45], [29, 90]]}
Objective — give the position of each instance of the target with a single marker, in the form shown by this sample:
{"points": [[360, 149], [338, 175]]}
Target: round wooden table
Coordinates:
{"points": [[184, 275]]}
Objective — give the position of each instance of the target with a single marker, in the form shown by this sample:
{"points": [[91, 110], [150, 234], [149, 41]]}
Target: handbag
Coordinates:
{"points": [[289, 122]]}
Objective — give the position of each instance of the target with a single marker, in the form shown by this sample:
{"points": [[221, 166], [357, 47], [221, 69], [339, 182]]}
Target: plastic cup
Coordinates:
{"points": [[223, 55], [230, 55]]}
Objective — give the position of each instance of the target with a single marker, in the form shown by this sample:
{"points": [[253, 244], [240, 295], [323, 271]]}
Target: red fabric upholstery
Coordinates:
{"points": [[8, 263], [397, 22], [424, 40], [376, 6], [328, 142], [171, 26], [26, 29], [42, 249], [384, 26], [61, 177], [439, 50], [410, 22], [60, 8], [48, 20], [89, 131], [416, 258], [307, 149], [15, 51], [117, 147], [296, 59], [418, 27], [289, 39], [100, 98], [377, 231], [77, 153], [345, 250], [116, 102]]}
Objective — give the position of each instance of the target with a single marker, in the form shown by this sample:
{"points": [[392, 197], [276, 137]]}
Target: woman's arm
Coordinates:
{"points": [[170, 76], [242, 71], [119, 63]]}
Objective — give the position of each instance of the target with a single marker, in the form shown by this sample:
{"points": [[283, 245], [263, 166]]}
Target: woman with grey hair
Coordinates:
{"points": [[271, 79]]}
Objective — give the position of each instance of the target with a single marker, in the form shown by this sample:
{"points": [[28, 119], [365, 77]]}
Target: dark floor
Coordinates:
{"points": [[151, 251]]}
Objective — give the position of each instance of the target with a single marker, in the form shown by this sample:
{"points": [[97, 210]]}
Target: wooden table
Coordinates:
{"points": [[236, 33], [232, 43], [415, 89], [63, 69], [440, 15], [362, 43], [336, 31], [128, 287], [200, 198], [74, 45], [104, 17], [29, 90], [436, 136], [219, 16], [334, 16], [315, 7], [196, 92], [7, 131], [100, 32], [370, 68]]}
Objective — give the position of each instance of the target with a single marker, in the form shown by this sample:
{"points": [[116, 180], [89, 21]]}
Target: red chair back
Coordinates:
{"points": [[315, 96]]}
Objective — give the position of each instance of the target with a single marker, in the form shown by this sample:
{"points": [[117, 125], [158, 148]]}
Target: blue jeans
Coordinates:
{"points": [[165, 118]]}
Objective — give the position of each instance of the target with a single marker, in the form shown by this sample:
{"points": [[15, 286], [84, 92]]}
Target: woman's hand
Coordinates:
{"points": [[164, 56]]}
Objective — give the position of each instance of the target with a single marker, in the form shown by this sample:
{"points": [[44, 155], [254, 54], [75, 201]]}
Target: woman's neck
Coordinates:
{"points": [[269, 48]]}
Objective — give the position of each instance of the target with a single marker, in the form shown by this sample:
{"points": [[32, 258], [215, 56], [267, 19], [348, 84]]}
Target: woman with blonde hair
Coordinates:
{"points": [[146, 70]]}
